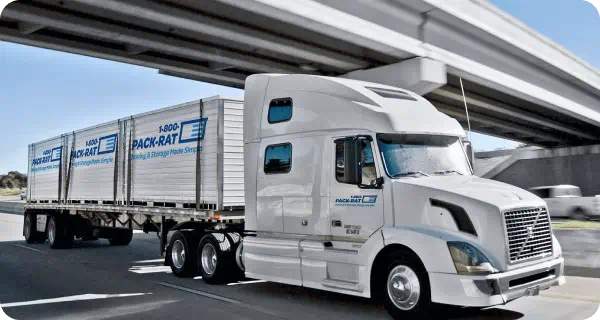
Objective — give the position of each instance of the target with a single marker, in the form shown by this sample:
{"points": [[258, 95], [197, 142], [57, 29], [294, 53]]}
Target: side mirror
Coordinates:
{"points": [[470, 153]]}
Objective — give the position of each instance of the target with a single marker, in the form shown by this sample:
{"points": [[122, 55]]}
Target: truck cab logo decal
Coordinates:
{"points": [[356, 201]]}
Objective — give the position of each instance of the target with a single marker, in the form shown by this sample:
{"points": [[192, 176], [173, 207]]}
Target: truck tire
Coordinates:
{"points": [[214, 264], [181, 253], [122, 238], [56, 233], [406, 290], [237, 272], [30, 229]]}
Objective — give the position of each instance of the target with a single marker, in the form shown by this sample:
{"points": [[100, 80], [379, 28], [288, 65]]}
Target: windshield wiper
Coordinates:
{"points": [[410, 173], [448, 171]]}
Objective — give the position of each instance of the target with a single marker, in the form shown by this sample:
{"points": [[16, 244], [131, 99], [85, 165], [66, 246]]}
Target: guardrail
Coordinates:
{"points": [[12, 207]]}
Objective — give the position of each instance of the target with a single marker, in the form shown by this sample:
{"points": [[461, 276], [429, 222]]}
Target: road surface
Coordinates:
{"points": [[95, 281]]}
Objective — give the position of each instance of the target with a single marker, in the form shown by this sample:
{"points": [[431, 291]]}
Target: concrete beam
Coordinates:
{"points": [[29, 28], [139, 40], [506, 110], [90, 50], [189, 76], [420, 75], [219, 66], [511, 127], [198, 23], [135, 49]]}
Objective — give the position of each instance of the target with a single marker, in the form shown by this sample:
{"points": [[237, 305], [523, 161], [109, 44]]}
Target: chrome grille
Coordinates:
{"points": [[528, 232]]}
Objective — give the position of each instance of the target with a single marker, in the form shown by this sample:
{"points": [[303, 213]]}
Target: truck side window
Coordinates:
{"points": [[280, 110], [278, 158], [369, 173]]}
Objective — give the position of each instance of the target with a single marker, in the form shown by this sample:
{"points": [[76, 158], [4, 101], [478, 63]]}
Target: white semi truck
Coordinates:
{"points": [[340, 185]]}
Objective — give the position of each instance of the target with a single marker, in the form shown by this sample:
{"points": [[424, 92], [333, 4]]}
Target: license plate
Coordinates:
{"points": [[533, 291]]}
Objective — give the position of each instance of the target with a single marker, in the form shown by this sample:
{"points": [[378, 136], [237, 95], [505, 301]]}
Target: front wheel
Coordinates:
{"points": [[407, 294]]}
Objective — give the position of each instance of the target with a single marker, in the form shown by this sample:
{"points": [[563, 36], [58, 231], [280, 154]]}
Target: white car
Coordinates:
{"points": [[24, 194], [566, 201]]}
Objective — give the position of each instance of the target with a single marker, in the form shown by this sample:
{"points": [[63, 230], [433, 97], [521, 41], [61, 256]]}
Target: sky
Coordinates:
{"points": [[44, 93]]}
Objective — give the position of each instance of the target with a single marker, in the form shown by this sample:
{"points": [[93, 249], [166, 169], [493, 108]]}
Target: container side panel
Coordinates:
{"points": [[164, 150], [44, 163], [233, 154], [92, 175]]}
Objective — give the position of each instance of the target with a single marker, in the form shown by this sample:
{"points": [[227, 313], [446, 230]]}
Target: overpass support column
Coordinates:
{"points": [[420, 75]]}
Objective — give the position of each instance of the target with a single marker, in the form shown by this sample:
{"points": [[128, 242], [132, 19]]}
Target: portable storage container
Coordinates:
{"points": [[150, 159]]}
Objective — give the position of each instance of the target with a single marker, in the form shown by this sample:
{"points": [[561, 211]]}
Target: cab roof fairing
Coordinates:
{"points": [[388, 115]]}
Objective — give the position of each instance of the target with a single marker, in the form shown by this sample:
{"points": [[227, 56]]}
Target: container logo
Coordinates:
{"points": [[192, 130], [173, 133], [50, 155], [107, 144]]}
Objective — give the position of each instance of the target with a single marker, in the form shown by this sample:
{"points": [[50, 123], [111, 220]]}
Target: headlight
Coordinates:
{"points": [[468, 260]]}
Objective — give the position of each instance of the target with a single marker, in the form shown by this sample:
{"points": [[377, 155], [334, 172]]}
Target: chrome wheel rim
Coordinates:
{"points": [[51, 231], [403, 287], [27, 227], [209, 259], [178, 254]]}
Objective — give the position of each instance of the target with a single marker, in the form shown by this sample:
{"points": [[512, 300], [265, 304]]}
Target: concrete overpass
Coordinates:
{"points": [[519, 84]]}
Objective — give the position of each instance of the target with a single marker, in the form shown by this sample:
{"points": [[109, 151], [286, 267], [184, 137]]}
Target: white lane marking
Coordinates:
{"points": [[198, 278], [246, 282], [150, 269], [200, 293], [81, 297], [112, 312], [138, 231], [26, 247], [151, 261]]}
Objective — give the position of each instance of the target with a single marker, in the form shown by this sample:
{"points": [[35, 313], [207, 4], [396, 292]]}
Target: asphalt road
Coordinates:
{"points": [[95, 281]]}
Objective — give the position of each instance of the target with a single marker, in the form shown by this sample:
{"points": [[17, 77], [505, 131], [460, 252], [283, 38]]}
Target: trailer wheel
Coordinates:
{"points": [[56, 233], [30, 229], [214, 263], [122, 238], [406, 291], [181, 254]]}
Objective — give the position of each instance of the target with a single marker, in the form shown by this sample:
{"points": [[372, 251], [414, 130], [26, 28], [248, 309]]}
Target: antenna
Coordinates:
{"points": [[466, 108]]}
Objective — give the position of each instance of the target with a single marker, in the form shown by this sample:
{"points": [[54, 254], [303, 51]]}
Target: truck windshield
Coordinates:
{"points": [[420, 155]]}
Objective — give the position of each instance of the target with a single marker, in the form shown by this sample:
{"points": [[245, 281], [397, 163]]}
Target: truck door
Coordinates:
{"points": [[356, 211]]}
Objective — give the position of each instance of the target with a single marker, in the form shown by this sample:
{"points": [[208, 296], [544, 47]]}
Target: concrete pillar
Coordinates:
{"points": [[420, 75]]}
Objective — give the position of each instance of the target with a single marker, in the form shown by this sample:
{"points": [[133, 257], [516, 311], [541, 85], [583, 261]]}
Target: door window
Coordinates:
{"points": [[367, 162]]}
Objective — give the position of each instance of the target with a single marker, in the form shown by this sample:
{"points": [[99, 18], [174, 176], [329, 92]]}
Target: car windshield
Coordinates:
{"points": [[420, 155]]}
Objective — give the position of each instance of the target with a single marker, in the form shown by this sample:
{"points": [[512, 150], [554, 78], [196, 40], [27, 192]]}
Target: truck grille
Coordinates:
{"points": [[529, 234]]}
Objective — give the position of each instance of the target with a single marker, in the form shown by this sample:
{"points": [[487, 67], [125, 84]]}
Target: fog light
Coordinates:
{"points": [[468, 260]]}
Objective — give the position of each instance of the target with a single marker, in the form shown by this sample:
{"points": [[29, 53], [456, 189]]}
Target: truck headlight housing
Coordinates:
{"points": [[468, 260]]}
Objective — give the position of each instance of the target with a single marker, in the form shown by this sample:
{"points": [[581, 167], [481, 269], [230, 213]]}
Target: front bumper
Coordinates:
{"points": [[495, 289]]}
